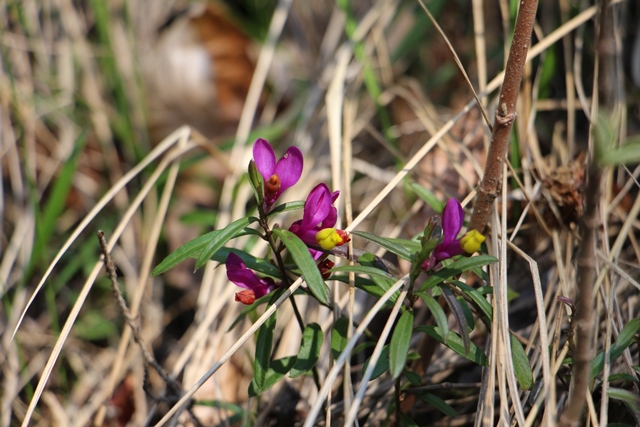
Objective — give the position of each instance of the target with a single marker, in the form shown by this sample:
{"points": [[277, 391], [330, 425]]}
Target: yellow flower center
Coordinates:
{"points": [[471, 241], [329, 238]]}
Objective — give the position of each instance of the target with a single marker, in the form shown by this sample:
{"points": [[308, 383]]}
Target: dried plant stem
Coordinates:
{"points": [[149, 359], [583, 352], [607, 97], [505, 114]]}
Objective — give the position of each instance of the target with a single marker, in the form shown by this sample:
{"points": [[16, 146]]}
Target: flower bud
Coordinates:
{"points": [[246, 297]]}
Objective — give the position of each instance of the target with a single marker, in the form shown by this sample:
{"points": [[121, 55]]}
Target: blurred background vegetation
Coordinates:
{"points": [[89, 89]]}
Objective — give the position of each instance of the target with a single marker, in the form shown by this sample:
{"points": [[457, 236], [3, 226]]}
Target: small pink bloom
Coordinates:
{"points": [[254, 286], [280, 175]]}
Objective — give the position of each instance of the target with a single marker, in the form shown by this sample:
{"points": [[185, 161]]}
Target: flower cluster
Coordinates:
{"points": [[451, 245], [315, 229]]}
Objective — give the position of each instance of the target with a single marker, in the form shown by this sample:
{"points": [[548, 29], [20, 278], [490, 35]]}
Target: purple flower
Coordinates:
{"points": [[254, 286], [319, 213], [319, 217], [277, 176], [452, 219]]}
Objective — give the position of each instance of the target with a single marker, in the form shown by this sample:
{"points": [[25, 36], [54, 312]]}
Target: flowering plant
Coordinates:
{"points": [[306, 245]]}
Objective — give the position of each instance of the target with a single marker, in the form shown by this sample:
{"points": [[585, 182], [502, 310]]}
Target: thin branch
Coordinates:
{"points": [[505, 114], [150, 360]]}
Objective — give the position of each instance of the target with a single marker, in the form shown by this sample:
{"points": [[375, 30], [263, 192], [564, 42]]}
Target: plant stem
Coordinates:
{"points": [[505, 115]]}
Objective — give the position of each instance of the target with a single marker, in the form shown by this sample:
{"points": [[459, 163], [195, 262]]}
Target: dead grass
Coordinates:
{"points": [[76, 157]]}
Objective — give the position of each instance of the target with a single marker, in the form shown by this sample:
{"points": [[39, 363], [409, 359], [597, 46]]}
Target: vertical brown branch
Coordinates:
{"points": [[505, 114], [608, 91]]}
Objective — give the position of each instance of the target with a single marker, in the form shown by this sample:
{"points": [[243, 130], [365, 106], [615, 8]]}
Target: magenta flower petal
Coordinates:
{"points": [[241, 276], [277, 176], [265, 158], [289, 168], [317, 207], [452, 219], [319, 213]]}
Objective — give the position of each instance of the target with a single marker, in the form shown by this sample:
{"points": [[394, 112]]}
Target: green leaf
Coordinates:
{"points": [[370, 260], [430, 198], [277, 370], [382, 365], [439, 404], [303, 259], [454, 342], [407, 421], [286, 207], [255, 179], [437, 312], [309, 350], [400, 341], [263, 353], [221, 238], [624, 378], [413, 377], [339, 337], [626, 154], [411, 245], [629, 398], [477, 298], [458, 313], [195, 247], [360, 269], [257, 264], [376, 287], [624, 340], [456, 268], [388, 244], [524, 375]]}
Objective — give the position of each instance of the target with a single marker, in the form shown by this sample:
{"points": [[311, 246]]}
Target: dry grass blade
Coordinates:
{"points": [[181, 134], [268, 312], [163, 147], [335, 370]]}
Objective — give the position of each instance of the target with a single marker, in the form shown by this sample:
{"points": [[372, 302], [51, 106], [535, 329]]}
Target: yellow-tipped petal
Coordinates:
{"points": [[328, 238], [471, 241]]}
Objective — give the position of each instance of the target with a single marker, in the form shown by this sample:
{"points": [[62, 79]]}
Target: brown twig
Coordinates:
{"points": [[608, 92], [135, 330], [505, 115], [583, 319]]}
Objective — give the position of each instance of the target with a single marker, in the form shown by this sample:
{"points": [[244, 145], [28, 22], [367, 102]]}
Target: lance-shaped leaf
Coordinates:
{"points": [[454, 342], [437, 312], [277, 370], [303, 259], [391, 245], [196, 247], [309, 350], [624, 340], [458, 313], [339, 337], [456, 268], [229, 232], [400, 341], [262, 360], [521, 366]]}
